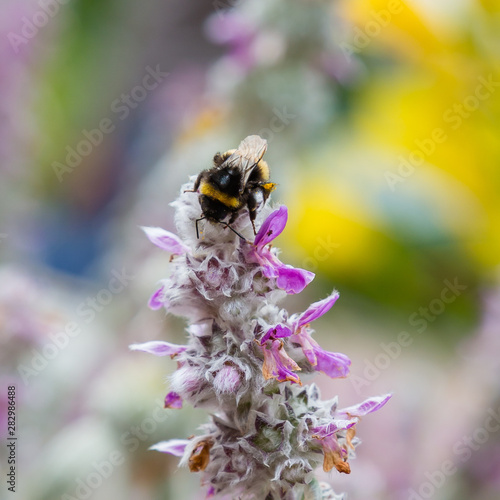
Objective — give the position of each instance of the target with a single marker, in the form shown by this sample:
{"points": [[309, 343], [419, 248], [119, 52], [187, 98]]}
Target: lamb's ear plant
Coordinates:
{"points": [[243, 360]]}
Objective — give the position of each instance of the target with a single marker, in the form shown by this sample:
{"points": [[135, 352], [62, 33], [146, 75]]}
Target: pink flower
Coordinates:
{"points": [[157, 300], [173, 400], [334, 455], [276, 332], [333, 364], [344, 420], [159, 348], [292, 280], [165, 240], [368, 406], [175, 447], [316, 310], [277, 363]]}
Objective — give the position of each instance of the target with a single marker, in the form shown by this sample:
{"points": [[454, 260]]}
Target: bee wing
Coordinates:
{"points": [[249, 153], [253, 147]]}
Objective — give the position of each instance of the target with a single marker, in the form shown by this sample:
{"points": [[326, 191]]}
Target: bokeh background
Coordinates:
{"points": [[382, 119]]}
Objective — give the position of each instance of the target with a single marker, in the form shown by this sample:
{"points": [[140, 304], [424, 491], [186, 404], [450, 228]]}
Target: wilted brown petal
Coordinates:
{"points": [[200, 457]]}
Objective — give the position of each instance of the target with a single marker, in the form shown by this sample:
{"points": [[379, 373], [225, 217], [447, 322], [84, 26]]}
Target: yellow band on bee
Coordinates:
{"points": [[264, 170], [211, 192]]}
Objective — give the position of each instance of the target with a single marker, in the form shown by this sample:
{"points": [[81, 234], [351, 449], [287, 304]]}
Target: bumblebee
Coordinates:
{"points": [[239, 179]]}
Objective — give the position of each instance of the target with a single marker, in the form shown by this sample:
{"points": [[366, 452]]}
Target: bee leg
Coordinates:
{"points": [[218, 160], [252, 205], [233, 217], [197, 232], [195, 187], [233, 230]]}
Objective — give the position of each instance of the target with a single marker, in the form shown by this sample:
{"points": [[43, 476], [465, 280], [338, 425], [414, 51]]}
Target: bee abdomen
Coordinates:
{"points": [[212, 192]]}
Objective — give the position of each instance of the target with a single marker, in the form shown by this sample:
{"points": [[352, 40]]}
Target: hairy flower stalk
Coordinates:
{"points": [[245, 359]]}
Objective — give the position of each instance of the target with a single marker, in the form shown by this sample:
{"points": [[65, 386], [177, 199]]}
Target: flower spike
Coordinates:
{"points": [[267, 432]]}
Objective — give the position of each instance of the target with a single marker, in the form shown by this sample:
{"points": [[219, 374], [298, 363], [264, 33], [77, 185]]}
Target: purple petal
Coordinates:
{"points": [[334, 455], [173, 400], [293, 280], [165, 240], [314, 311], [333, 364], [368, 406], [159, 348], [156, 302], [267, 336], [333, 427], [277, 364], [276, 332], [272, 227], [270, 266], [175, 447], [281, 331]]}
